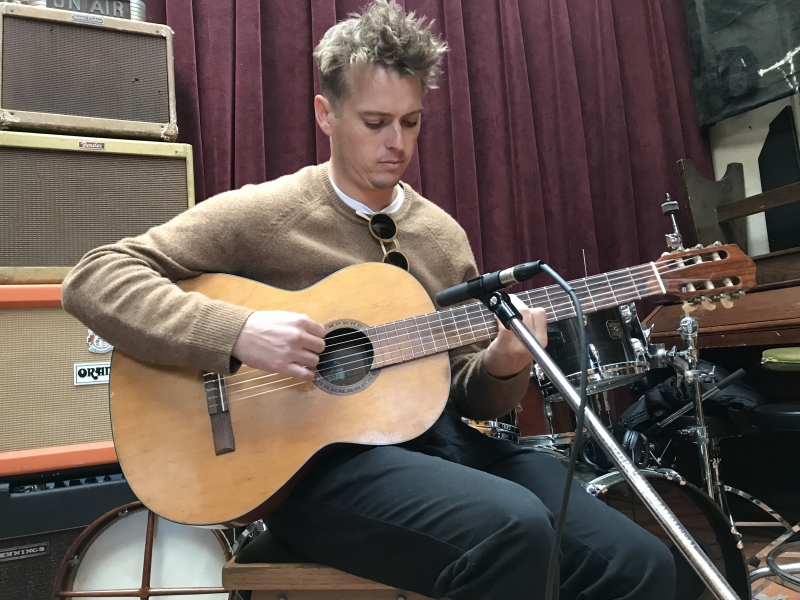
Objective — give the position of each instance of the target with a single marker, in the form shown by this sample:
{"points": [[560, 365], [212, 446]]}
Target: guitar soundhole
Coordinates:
{"points": [[344, 365]]}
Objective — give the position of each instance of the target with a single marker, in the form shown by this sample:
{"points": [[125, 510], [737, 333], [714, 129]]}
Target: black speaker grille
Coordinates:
{"points": [[60, 68], [57, 205], [33, 578]]}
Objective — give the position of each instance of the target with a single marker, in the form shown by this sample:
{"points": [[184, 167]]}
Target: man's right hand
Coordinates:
{"points": [[281, 342]]}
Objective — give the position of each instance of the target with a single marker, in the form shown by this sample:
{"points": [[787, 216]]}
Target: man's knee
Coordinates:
{"points": [[646, 568], [527, 526]]}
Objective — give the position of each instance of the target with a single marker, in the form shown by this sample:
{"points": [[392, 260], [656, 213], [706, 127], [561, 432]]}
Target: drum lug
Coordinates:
{"points": [[638, 350], [626, 313], [671, 475], [596, 489]]}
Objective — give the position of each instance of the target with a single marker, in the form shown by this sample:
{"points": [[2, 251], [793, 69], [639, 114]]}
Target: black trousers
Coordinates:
{"points": [[467, 517]]}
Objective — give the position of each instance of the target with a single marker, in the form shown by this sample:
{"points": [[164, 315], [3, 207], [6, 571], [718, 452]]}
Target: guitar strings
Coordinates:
{"points": [[610, 277], [463, 323], [469, 313], [557, 309], [236, 395], [467, 325], [481, 312], [390, 349]]}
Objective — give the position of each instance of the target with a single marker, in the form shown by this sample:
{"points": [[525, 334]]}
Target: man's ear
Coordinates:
{"points": [[323, 112]]}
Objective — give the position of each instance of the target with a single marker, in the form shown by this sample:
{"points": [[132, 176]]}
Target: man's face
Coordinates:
{"points": [[374, 136]]}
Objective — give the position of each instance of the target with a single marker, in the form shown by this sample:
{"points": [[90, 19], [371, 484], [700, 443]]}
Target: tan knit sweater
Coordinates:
{"points": [[289, 233]]}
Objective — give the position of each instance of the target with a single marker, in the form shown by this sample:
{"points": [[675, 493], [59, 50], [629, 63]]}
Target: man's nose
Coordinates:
{"points": [[394, 137]]}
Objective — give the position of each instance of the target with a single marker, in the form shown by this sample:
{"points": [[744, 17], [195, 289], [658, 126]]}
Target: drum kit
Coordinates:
{"points": [[619, 354]]}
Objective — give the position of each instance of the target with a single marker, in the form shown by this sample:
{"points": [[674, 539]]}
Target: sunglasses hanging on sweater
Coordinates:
{"points": [[384, 229]]}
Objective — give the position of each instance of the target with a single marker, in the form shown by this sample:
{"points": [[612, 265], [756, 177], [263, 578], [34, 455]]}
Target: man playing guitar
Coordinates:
{"points": [[455, 514]]}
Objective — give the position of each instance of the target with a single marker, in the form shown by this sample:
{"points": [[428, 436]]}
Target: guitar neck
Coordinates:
{"points": [[405, 340]]}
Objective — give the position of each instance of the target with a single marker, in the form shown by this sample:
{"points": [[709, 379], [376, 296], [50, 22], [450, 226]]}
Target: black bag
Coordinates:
{"points": [[665, 398]]}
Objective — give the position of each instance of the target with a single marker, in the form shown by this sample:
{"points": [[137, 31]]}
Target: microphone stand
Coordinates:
{"points": [[499, 304]]}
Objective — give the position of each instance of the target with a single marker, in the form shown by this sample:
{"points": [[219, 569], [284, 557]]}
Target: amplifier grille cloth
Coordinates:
{"points": [[40, 404], [84, 71], [56, 205]]}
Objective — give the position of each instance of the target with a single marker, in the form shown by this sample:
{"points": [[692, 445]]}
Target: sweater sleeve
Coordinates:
{"points": [[125, 291], [474, 392]]}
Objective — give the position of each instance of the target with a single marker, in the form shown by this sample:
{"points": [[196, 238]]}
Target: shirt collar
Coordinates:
{"points": [[359, 207]]}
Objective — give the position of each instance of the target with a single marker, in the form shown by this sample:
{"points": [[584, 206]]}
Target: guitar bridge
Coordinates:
{"points": [[217, 400]]}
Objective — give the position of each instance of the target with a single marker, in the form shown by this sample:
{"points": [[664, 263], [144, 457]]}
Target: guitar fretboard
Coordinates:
{"points": [[408, 339]]}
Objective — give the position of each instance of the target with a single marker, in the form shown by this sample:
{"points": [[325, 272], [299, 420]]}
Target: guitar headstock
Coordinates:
{"points": [[702, 276]]}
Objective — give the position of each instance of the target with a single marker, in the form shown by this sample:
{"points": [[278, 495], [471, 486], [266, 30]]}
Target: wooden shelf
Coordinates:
{"points": [[765, 318]]}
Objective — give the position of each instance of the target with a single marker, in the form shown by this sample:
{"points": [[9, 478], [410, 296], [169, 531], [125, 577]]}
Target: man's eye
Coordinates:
{"points": [[410, 124], [373, 125]]}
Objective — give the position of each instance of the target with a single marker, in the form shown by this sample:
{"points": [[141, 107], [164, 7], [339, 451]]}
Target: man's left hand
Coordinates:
{"points": [[506, 356]]}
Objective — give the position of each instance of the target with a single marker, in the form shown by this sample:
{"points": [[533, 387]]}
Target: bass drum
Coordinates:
{"points": [[130, 548], [696, 512]]}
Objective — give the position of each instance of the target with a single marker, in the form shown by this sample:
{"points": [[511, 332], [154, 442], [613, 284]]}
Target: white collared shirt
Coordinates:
{"points": [[363, 208]]}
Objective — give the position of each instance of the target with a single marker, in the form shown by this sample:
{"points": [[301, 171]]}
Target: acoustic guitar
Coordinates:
{"points": [[202, 449]]}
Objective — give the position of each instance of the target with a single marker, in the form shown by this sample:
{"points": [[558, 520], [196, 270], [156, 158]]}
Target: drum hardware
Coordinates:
{"points": [[617, 355], [248, 534], [499, 304]]}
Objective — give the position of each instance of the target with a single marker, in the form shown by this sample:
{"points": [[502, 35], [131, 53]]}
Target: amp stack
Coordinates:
{"points": [[87, 157]]}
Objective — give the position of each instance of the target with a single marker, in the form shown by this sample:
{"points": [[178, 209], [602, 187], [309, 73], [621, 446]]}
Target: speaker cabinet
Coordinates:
{"points": [[40, 522], [54, 389], [62, 196], [70, 72]]}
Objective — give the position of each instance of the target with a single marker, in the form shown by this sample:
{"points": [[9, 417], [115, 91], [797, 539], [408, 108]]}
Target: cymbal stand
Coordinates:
{"points": [[686, 366]]}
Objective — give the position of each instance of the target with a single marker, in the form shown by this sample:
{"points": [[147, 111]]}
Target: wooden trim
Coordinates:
{"points": [[65, 16], [736, 327], [292, 576], [82, 126], [57, 457], [751, 205], [46, 141], [30, 296]]}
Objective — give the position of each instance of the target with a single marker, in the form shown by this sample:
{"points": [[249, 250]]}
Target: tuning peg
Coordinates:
{"points": [[725, 300], [699, 247], [690, 306], [707, 303], [716, 244]]}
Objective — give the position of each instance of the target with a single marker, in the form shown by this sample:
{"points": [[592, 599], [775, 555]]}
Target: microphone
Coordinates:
{"points": [[486, 284]]}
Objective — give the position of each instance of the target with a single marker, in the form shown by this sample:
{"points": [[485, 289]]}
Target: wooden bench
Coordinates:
{"points": [[273, 572], [305, 581]]}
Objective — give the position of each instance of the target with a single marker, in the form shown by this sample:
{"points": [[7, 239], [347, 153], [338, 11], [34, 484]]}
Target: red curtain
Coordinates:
{"points": [[555, 130]]}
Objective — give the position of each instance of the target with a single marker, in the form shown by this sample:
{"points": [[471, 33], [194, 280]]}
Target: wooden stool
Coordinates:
{"points": [[305, 581], [273, 572]]}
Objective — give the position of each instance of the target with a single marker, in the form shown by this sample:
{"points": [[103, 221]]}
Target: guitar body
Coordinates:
{"points": [[160, 415]]}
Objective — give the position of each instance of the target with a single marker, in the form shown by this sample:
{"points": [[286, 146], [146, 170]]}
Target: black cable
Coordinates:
{"points": [[552, 573]]}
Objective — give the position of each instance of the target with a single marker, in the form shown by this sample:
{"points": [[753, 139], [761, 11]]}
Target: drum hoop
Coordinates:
{"points": [[65, 576], [613, 478], [597, 378]]}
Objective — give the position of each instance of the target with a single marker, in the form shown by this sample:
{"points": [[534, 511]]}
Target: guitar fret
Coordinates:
{"points": [[406, 327], [459, 326], [443, 331], [381, 343]]}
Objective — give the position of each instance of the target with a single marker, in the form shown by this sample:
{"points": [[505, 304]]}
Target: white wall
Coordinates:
{"points": [[740, 139]]}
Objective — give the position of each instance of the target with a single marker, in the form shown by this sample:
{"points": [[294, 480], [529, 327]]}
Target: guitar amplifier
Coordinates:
{"points": [[54, 389], [62, 196], [72, 72], [123, 9]]}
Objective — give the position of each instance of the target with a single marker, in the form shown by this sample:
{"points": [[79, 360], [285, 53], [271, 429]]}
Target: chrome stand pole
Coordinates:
{"points": [[676, 531]]}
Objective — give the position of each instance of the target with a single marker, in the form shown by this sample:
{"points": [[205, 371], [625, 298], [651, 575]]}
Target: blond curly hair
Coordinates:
{"points": [[383, 36]]}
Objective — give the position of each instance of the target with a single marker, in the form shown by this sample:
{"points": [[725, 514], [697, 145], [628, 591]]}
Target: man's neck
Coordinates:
{"points": [[376, 200]]}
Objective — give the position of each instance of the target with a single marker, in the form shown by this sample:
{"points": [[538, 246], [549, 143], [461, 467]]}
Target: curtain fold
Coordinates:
{"points": [[555, 130]]}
